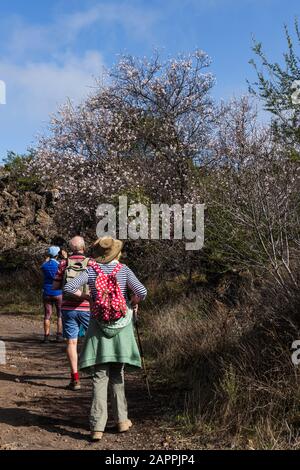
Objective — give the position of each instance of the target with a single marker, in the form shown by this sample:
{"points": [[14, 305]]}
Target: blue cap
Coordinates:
{"points": [[53, 251]]}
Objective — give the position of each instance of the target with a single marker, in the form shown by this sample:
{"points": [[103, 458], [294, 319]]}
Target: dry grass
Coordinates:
{"points": [[21, 293], [234, 364]]}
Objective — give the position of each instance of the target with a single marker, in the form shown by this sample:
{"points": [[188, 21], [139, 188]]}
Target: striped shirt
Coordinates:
{"points": [[127, 280]]}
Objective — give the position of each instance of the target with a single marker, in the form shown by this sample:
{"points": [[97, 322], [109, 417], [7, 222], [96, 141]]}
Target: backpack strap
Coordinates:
{"points": [[65, 270], [95, 267], [116, 269], [86, 262]]}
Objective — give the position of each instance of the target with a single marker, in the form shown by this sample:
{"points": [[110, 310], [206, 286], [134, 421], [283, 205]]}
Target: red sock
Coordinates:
{"points": [[75, 376]]}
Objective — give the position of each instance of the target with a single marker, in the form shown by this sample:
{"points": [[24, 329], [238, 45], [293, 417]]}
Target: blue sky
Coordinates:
{"points": [[51, 50]]}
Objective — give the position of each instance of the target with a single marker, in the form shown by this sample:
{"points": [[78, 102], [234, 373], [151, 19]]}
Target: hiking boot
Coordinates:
{"points": [[46, 339], [74, 385], [96, 435], [59, 339], [124, 426]]}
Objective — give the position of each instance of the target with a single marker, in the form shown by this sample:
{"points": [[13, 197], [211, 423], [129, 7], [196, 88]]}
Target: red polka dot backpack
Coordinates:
{"points": [[110, 303]]}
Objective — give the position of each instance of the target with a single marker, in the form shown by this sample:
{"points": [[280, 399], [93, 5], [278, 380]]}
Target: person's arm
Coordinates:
{"points": [[138, 289], [73, 287]]}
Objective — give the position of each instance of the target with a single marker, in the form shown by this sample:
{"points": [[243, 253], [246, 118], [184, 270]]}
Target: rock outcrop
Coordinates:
{"points": [[26, 218]]}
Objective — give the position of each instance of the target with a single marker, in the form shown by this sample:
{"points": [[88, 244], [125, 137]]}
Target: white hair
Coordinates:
{"points": [[77, 244]]}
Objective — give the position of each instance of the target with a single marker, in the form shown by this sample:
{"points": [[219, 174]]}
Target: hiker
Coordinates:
{"points": [[75, 312], [51, 296], [109, 345]]}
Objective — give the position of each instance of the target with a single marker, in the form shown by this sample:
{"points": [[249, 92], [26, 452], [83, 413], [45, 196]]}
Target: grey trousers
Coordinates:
{"points": [[110, 375]]}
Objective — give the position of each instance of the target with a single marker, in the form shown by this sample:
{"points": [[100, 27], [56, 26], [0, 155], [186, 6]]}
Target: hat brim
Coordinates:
{"points": [[115, 250]]}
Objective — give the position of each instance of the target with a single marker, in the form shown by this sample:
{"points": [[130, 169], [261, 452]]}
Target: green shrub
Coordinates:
{"points": [[16, 166]]}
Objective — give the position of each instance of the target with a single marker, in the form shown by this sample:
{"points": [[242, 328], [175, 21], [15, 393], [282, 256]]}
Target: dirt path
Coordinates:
{"points": [[36, 412]]}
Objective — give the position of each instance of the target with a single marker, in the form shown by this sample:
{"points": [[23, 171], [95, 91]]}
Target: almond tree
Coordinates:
{"points": [[253, 191], [140, 134]]}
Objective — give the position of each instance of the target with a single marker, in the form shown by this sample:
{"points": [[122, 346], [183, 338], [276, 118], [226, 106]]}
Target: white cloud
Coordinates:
{"points": [[35, 90], [39, 73], [43, 85], [64, 29]]}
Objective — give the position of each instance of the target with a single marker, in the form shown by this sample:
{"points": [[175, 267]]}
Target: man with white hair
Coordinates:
{"points": [[75, 312]]}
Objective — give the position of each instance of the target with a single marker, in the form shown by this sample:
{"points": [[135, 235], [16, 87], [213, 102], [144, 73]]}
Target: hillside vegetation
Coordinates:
{"points": [[218, 323]]}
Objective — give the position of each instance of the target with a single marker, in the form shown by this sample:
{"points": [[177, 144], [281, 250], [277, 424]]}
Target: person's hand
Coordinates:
{"points": [[135, 309], [63, 254]]}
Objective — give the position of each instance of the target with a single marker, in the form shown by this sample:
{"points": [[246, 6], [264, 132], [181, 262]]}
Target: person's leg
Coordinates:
{"points": [[58, 304], [47, 301], [83, 319], [72, 354], [46, 327], [98, 413], [70, 333], [118, 399]]}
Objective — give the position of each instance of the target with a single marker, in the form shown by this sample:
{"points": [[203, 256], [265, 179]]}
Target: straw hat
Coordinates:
{"points": [[106, 249]]}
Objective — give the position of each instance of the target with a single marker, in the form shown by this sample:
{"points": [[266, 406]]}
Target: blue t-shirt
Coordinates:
{"points": [[49, 269]]}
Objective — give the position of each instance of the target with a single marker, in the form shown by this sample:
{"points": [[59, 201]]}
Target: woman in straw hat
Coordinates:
{"points": [[108, 347]]}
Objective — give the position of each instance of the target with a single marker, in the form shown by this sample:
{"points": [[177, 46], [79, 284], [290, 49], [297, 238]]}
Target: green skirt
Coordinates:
{"points": [[98, 348]]}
